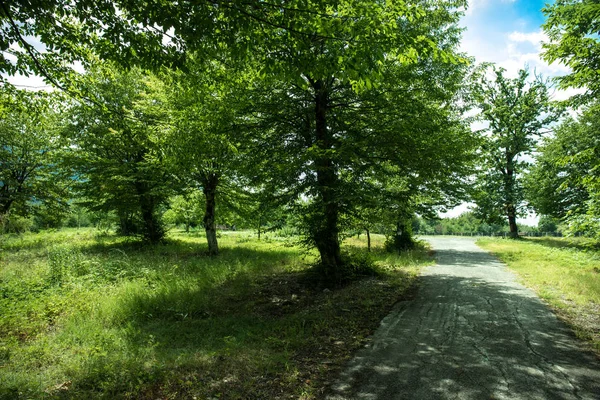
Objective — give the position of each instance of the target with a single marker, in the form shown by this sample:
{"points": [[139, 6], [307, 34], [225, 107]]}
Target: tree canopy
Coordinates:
{"points": [[573, 26], [29, 152], [517, 111], [565, 182]]}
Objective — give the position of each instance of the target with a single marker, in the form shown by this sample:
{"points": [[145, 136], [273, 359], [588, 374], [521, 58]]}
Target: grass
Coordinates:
{"points": [[565, 272], [90, 315]]}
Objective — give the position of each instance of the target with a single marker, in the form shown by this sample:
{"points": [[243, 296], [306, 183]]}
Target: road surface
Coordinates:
{"points": [[472, 332]]}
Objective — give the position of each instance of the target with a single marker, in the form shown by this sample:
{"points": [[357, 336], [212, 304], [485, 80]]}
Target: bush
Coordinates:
{"points": [[16, 224], [356, 265]]}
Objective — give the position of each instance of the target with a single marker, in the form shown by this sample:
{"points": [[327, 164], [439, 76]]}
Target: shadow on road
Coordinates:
{"points": [[469, 338]]}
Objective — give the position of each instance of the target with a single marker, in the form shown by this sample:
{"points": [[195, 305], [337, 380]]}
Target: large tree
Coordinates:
{"points": [[324, 131], [203, 145], [517, 111], [564, 183]]}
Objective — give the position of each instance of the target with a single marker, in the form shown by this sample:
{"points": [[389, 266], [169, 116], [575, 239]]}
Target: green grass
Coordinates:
{"points": [[89, 315], [564, 272]]}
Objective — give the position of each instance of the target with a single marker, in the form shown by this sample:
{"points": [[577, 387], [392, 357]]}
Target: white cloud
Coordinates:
{"points": [[512, 51], [476, 5], [535, 38]]}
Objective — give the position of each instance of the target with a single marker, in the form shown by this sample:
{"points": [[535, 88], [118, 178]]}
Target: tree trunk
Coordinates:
{"points": [[403, 236], [511, 209], [326, 236], [512, 223], [153, 231], [5, 207], [127, 227], [259, 225], [368, 240], [210, 188]]}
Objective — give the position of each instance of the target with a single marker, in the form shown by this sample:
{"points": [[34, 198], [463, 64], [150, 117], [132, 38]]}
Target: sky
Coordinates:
{"points": [[508, 33]]}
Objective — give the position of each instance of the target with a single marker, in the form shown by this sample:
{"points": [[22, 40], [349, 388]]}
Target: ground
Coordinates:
{"points": [[86, 314], [472, 332]]}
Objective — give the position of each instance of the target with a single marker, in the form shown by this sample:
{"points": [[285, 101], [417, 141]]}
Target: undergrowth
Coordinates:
{"points": [[97, 316]]}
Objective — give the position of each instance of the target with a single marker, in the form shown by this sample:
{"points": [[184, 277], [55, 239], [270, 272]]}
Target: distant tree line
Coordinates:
{"points": [[468, 224]]}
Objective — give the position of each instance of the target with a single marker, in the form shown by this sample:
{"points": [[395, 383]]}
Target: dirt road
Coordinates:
{"points": [[472, 332]]}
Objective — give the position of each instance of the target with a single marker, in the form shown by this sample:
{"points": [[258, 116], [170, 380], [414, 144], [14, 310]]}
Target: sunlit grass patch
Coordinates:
{"points": [[564, 272], [97, 316]]}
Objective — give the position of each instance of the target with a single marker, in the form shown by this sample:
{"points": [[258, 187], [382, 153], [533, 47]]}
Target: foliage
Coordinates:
{"points": [[29, 152], [572, 27], [547, 224], [360, 34], [565, 181], [517, 110], [117, 158], [184, 210], [203, 144], [466, 223]]}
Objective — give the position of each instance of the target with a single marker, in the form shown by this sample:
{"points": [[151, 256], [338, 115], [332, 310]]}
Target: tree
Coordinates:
{"points": [[29, 150], [547, 224], [184, 209], [554, 185], [326, 136], [204, 105], [572, 26], [565, 181], [118, 158], [517, 110]]}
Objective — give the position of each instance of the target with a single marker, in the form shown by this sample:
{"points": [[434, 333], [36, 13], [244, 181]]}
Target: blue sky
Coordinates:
{"points": [[509, 33]]}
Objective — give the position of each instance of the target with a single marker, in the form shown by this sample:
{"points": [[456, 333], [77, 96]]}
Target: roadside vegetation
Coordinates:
{"points": [[321, 119], [565, 272], [91, 315]]}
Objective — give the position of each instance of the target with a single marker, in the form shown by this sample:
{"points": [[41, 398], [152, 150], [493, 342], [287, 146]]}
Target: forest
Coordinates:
{"points": [[183, 147]]}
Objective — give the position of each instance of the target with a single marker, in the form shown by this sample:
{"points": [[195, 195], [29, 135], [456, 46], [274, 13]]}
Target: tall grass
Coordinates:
{"points": [[95, 316]]}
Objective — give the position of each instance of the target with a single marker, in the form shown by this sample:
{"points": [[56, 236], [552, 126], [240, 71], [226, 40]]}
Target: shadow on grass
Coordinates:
{"points": [[250, 337], [572, 243], [227, 341]]}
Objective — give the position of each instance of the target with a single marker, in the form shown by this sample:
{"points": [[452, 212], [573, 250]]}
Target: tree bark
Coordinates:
{"points": [[512, 222], [153, 231], [259, 225], [210, 189], [368, 240], [511, 209], [327, 235]]}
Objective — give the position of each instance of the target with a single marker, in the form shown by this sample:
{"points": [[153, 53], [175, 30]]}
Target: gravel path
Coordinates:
{"points": [[472, 332]]}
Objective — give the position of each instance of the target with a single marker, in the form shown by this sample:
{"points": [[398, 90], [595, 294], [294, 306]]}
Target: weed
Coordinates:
{"points": [[85, 316]]}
